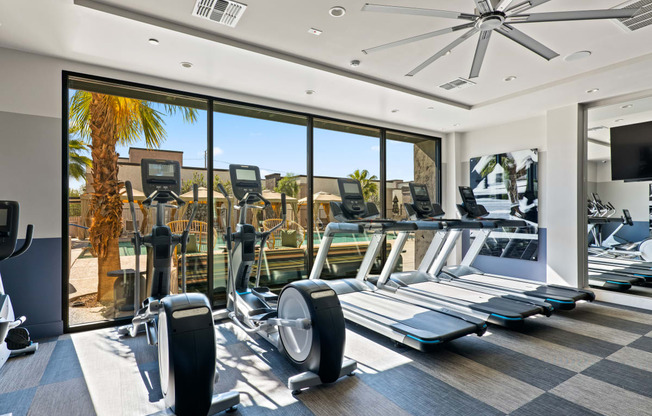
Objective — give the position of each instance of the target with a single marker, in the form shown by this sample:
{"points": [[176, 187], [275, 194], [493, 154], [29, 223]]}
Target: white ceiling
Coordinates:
{"points": [[271, 54], [614, 115]]}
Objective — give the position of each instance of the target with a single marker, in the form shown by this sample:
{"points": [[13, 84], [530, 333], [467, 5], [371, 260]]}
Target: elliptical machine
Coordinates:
{"points": [[182, 324], [305, 321], [14, 340]]}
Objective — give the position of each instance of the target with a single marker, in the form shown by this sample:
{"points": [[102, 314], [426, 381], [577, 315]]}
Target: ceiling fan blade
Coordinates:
{"points": [[480, 51], [443, 52], [526, 41], [576, 15], [417, 38], [504, 4], [416, 11], [483, 6], [526, 5]]}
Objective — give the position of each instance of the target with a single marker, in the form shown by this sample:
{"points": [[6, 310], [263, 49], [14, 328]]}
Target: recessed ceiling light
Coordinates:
{"points": [[310, 92], [456, 125], [592, 90], [314, 31], [337, 11], [510, 78], [153, 41], [627, 106], [618, 120], [431, 108], [186, 64], [355, 63], [576, 56], [447, 53], [394, 111]]}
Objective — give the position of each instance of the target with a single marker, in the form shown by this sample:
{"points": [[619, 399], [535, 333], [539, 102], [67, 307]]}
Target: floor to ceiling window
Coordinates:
{"points": [[276, 143], [409, 158], [343, 150], [111, 127]]}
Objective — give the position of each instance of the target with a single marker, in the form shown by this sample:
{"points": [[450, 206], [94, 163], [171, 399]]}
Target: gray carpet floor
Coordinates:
{"points": [[595, 360]]}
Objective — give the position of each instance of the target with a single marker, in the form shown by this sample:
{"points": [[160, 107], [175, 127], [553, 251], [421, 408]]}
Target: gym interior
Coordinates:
{"points": [[231, 207]]}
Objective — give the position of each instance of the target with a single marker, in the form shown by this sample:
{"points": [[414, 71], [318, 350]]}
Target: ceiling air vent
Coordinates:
{"points": [[457, 84], [225, 12], [641, 19]]}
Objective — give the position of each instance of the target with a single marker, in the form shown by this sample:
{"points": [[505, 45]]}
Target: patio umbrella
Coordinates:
{"points": [[202, 195], [138, 195], [275, 199], [320, 199]]}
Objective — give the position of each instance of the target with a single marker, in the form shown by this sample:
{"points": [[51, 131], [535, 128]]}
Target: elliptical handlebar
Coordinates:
{"points": [[29, 235]]}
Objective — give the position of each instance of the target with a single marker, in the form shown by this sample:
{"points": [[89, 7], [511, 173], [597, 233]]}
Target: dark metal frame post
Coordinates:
{"points": [[310, 191], [209, 199]]}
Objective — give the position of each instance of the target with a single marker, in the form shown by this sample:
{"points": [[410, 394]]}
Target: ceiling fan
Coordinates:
{"points": [[490, 16]]}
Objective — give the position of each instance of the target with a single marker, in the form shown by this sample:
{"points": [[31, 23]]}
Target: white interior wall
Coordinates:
{"points": [[555, 135], [633, 196]]}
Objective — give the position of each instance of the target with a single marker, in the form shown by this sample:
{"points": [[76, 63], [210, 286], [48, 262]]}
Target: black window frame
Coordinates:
{"points": [[211, 101]]}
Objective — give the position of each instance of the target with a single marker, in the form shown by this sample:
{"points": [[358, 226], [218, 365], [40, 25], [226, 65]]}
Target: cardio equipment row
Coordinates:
{"points": [[432, 304], [305, 321]]}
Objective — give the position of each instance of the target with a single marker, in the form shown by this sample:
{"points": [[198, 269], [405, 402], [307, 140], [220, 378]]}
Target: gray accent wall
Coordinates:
{"points": [[30, 163]]}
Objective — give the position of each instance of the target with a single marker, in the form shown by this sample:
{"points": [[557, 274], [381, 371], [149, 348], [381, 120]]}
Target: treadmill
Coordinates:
{"points": [[418, 327], [481, 306], [561, 297]]}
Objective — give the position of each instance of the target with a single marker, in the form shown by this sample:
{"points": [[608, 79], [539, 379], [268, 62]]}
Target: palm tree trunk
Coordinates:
{"points": [[106, 205]]}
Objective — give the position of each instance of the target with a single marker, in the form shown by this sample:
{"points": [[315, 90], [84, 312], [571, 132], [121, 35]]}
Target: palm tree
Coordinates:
{"points": [[369, 187], [104, 121], [77, 162], [288, 185]]}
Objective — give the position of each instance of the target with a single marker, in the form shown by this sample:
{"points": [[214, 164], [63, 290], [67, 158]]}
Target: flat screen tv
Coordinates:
{"points": [[631, 152]]}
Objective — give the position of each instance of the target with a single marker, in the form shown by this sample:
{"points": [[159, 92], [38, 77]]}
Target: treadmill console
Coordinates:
{"points": [[627, 217], [160, 176], [245, 179], [8, 230], [421, 205], [353, 204], [469, 204]]}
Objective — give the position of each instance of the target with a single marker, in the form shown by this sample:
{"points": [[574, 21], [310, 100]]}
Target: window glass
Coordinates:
{"points": [[111, 130], [276, 143], [343, 151]]}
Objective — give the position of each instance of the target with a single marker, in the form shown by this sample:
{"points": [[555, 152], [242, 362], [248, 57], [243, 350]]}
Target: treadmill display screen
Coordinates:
{"points": [[161, 170], [468, 196], [246, 175], [351, 188], [420, 191]]}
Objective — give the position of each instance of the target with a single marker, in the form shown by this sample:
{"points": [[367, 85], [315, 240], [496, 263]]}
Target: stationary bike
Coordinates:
{"points": [[305, 322], [182, 325], [14, 340]]}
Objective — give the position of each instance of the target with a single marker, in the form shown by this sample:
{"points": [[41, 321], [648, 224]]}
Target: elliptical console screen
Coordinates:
{"points": [[4, 218], [246, 174], [161, 170], [161, 175], [7, 217], [245, 179]]}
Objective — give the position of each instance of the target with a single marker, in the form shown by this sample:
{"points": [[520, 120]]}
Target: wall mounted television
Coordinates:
{"points": [[631, 152]]}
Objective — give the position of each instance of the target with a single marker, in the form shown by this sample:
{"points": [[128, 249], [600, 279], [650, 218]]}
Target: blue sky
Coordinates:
{"points": [[279, 147]]}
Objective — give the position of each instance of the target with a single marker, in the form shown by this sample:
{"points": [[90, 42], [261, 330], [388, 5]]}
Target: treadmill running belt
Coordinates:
{"points": [[408, 319]]}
